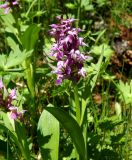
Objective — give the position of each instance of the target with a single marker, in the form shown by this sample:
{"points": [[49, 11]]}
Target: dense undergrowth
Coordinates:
{"points": [[66, 79]]}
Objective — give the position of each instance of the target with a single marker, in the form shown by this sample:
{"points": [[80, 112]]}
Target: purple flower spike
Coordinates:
{"points": [[65, 50], [7, 102]]}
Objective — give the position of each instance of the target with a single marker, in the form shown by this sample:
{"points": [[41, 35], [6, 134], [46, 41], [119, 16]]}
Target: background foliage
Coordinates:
{"points": [[50, 129]]}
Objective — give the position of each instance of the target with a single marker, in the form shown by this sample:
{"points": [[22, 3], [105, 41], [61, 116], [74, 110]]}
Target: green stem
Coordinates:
{"points": [[39, 8], [78, 13], [78, 111], [7, 147], [30, 76], [30, 7]]}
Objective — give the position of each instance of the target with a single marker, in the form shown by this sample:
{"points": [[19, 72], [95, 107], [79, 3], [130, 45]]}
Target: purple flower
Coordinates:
{"points": [[8, 5], [1, 84], [12, 94], [65, 50], [7, 102], [82, 72], [15, 114], [58, 81]]}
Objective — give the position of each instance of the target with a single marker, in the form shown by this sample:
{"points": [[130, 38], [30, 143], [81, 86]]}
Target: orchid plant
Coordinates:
{"points": [[55, 99]]}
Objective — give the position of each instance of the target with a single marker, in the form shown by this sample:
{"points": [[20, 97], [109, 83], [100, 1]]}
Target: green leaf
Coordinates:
{"points": [[107, 51], [2, 61], [110, 123], [102, 2], [9, 21], [28, 40], [10, 29], [9, 123], [16, 58], [12, 41], [125, 91], [72, 127], [61, 89], [97, 72], [21, 135], [17, 133], [86, 5], [8, 126], [71, 5], [30, 37], [48, 136]]}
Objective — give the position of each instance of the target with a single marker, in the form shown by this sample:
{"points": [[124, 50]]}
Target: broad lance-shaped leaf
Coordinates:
{"points": [[30, 37], [21, 134], [48, 136], [72, 127]]}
